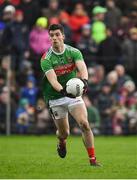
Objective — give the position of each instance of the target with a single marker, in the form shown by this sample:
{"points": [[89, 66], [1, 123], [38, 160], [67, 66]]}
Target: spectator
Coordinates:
{"points": [[100, 73], [105, 104], [30, 91], [15, 39], [6, 10], [98, 27], [132, 115], [113, 15], [39, 38], [24, 116], [119, 119], [133, 17], [125, 110], [43, 123], [7, 21], [130, 52], [21, 38], [94, 85], [31, 11], [64, 21], [39, 43], [52, 11], [4, 100], [7, 18], [123, 29], [112, 57], [87, 45], [130, 86], [78, 19], [25, 71], [112, 79], [53, 20], [7, 72], [122, 76]]}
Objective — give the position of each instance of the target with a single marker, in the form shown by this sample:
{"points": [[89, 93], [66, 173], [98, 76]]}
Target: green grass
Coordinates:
{"points": [[35, 157]]}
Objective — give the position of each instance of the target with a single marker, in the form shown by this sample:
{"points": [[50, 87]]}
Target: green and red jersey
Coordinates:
{"points": [[64, 66]]}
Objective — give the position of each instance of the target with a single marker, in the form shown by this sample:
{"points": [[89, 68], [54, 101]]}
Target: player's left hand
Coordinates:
{"points": [[85, 81]]}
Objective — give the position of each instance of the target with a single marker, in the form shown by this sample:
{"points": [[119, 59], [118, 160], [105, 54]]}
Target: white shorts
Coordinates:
{"points": [[59, 108]]}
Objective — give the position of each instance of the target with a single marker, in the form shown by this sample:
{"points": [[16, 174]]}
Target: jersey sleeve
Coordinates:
{"points": [[77, 55], [46, 65]]}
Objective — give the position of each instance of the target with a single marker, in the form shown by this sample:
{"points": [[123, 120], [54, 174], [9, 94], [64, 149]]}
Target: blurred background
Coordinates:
{"points": [[106, 33]]}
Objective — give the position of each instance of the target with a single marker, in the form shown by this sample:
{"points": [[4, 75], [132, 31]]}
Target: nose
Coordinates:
{"points": [[54, 37]]}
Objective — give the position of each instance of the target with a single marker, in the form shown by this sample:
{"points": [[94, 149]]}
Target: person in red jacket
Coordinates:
{"points": [[78, 18]]}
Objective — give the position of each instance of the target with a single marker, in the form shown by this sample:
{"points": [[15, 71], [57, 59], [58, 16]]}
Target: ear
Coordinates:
{"points": [[63, 36]]}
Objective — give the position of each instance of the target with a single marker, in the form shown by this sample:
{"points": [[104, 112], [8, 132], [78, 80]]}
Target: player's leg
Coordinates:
{"points": [[62, 132], [62, 126], [60, 116], [79, 113]]}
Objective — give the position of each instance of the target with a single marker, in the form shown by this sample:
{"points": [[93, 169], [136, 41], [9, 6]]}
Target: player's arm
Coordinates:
{"points": [[80, 64], [52, 78], [83, 73], [47, 68], [82, 69]]}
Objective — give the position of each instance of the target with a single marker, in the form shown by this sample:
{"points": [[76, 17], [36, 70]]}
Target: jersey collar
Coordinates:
{"points": [[60, 52]]}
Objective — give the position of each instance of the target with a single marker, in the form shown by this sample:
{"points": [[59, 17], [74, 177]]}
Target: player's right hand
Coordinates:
{"points": [[64, 93]]}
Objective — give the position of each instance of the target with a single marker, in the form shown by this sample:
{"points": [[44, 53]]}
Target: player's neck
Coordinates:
{"points": [[59, 49]]}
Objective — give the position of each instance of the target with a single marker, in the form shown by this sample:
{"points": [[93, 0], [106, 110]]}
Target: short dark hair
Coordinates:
{"points": [[54, 27]]}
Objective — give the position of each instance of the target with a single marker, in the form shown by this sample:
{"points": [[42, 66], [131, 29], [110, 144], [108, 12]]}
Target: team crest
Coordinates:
{"points": [[69, 59]]}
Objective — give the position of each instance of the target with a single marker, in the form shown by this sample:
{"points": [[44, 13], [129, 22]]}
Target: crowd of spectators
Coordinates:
{"points": [[106, 33]]}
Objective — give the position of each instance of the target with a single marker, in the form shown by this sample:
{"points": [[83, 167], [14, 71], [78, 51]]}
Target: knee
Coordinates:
{"points": [[64, 134], [84, 126]]}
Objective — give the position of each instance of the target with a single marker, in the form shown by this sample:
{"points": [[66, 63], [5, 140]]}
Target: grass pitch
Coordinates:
{"points": [[35, 157]]}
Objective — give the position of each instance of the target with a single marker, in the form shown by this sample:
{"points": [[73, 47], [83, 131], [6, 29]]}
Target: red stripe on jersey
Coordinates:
{"points": [[64, 69], [43, 56]]}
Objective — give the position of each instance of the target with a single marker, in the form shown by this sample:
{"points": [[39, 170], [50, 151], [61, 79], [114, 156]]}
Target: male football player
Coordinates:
{"points": [[61, 63]]}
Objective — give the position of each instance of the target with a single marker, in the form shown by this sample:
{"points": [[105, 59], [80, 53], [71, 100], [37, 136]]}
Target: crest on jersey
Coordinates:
{"points": [[69, 59]]}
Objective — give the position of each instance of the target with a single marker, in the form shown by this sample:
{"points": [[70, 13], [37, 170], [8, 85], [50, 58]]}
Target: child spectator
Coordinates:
{"points": [[39, 38], [30, 91], [39, 42], [24, 116]]}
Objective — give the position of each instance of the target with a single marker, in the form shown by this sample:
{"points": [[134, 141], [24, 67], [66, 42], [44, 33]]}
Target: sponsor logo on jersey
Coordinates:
{"points": [[64, 69]]}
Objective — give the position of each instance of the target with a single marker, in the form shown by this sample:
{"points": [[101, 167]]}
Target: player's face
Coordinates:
{"points": [[56, 37]]}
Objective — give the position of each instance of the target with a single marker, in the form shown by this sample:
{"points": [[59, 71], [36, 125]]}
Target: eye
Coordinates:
{"points": [[51, 35], [57, 34]]}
